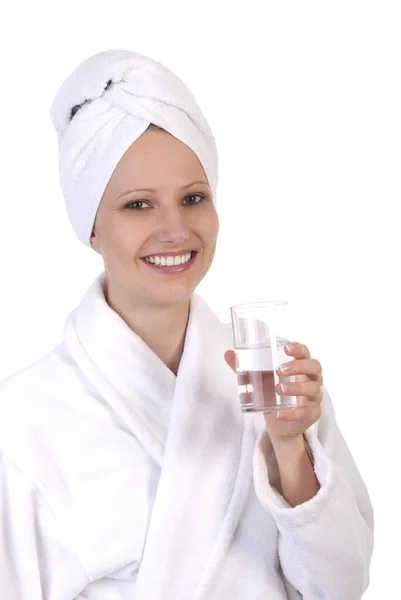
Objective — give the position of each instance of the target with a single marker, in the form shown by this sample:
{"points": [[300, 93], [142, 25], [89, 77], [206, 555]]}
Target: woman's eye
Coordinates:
{"points": [[136, 202], [195, 196]]}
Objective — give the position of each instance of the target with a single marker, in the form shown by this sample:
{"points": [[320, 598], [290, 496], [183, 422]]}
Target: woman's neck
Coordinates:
{"points": [[162, 328]]}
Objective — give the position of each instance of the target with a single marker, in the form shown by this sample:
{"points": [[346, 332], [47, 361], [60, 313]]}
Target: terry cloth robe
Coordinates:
{"points": [[122, 481]]}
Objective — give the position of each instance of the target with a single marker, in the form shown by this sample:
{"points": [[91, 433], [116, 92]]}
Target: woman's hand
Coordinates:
{"points": [[287, 424]]}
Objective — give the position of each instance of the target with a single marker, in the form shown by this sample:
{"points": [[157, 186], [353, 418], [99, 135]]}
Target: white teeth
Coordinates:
{"points": [[169, 261]]}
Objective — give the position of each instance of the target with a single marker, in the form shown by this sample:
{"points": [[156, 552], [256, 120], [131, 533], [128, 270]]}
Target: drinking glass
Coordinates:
{"points": [[259, 331]]}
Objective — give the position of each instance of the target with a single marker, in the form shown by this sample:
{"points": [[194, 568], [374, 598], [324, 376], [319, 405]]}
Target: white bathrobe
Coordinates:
{"points": [[121, 481]]}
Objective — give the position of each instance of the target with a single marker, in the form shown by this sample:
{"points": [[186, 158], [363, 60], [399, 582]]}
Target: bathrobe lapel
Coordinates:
{"points": [[207, 470], [191, 425], [117, 364]]}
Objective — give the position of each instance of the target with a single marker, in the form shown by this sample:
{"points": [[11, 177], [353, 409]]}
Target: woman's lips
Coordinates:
{"points": [[173, 268]]}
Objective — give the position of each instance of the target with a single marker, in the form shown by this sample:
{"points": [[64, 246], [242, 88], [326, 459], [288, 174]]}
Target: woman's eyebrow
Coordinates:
{"points": [[153, 190]]}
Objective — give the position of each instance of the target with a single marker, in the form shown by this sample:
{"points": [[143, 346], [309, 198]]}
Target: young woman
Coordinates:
{"points": [[127, 470]]}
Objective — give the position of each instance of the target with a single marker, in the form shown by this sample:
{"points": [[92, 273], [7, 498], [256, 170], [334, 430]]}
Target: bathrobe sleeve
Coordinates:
{"points": [[35, 561], [325, 544]]}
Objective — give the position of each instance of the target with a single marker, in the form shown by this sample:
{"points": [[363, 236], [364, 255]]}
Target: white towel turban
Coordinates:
{"points": [[104, 105]]}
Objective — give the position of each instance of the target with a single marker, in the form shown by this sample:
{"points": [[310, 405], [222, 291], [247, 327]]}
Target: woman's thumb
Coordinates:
{"points": [[229, 355]]}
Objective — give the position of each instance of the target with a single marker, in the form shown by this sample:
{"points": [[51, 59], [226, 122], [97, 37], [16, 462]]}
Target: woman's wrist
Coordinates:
{"points": [[295, 464]]}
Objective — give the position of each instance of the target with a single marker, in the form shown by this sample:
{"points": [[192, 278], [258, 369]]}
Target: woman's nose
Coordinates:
{"points": [[173, 227]]}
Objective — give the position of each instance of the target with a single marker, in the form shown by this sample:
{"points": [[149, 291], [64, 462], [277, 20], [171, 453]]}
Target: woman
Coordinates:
{"points": [[127, 468]]}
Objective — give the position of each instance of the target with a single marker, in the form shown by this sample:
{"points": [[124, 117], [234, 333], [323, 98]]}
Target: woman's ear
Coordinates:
{"points": [[94, 240]]}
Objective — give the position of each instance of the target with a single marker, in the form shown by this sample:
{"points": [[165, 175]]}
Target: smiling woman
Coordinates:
{"points": [[155, 218], [127, 469]]}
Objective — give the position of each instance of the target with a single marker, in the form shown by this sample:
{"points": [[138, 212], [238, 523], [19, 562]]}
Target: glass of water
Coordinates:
{"points": [[259, 331]]}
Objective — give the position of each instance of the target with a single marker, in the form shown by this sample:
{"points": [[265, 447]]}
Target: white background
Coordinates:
{"points": [[304, 99]]}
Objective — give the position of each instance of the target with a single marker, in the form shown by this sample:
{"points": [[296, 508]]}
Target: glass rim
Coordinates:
{"points": [[262, 304]]}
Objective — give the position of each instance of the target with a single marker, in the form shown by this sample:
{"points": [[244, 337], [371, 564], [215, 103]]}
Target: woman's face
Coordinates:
{"points": [[174, 214]]}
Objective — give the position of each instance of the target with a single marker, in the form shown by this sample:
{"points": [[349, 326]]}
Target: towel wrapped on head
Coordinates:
{"points": [[104, 105]]}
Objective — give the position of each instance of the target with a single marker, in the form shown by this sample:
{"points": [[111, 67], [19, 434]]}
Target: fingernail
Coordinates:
{"points": [[285, 368], [290, 347], [284, 387]]}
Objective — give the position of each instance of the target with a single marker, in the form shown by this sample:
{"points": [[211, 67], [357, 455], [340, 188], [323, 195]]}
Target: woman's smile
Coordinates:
{"points": [[165, 264]]}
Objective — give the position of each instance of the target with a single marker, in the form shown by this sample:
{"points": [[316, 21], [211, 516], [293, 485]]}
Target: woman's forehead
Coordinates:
{"points": [[158, 160]]}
